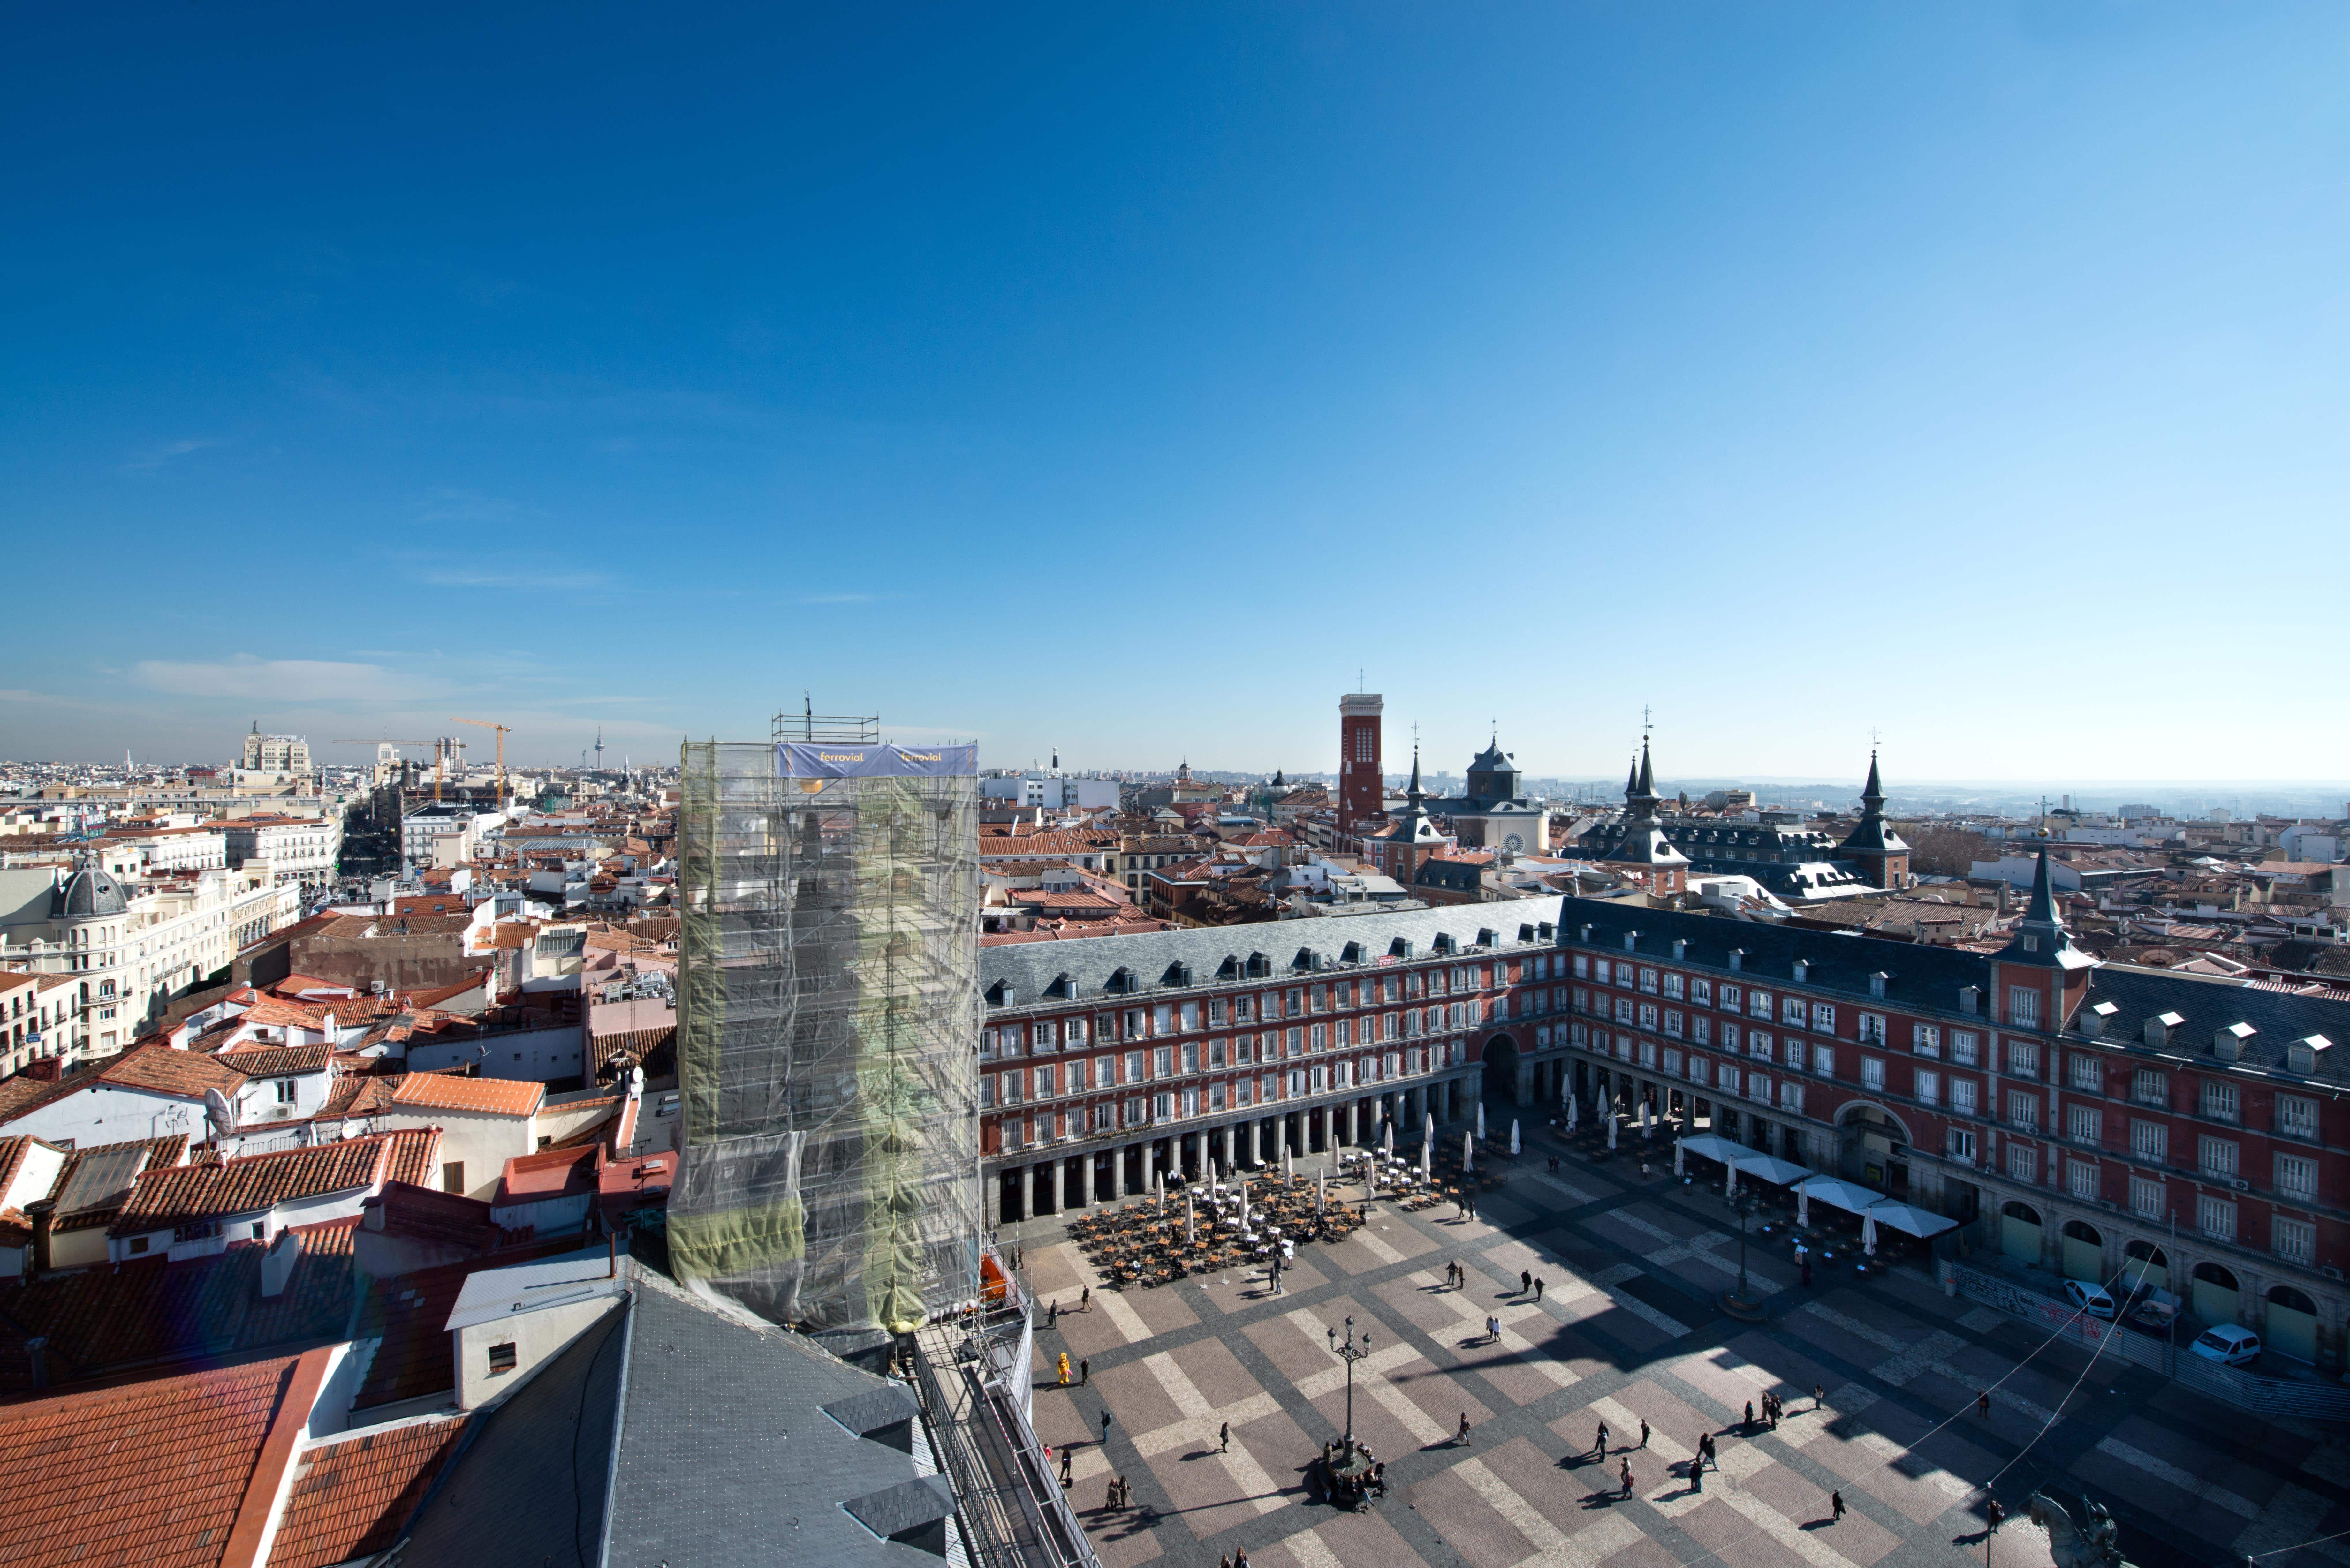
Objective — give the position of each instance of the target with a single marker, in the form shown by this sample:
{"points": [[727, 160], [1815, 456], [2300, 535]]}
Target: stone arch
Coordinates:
{"points": [[2218, 1298], [2083, 1251], [1500, 1056], [2019, 1232], [2144, 1264], [2289, 1324]]}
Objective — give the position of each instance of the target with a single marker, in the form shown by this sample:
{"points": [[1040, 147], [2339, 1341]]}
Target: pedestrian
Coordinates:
{"points": [[1600, 1443], [1052, 1314], [1224, 1438], [1982, 1404], [1995, 1513], [1085, 1299], [1697, 1473], [1750, 1415], [1525, 1281], [1774, 1412], [1644, 1431], [1064, 1369], [1819, 1395], [1628, 1477], [1705, 1452], [1463, 1437], [1538, 1287], [1835, 1507], [1104, 1428], [1065, 1469], [1085, 1372], [1240, 1558], [1226, 1561]]}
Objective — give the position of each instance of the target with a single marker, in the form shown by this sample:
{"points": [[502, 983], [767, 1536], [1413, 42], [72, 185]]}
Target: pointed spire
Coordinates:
{"points": [[1647, 773], [1872, 793], [1632, 780], [1414, 792], [2040, 909]]}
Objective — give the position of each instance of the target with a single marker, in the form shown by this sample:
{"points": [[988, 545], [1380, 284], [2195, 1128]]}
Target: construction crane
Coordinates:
{"points": [[503, 730]]}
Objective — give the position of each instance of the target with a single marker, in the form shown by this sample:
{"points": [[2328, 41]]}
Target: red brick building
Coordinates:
{"points": [[2097, 1119], [1361, 794]]}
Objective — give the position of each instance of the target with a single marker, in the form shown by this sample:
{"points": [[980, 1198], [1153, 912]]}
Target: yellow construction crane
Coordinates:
{"points": [[503, 730]]}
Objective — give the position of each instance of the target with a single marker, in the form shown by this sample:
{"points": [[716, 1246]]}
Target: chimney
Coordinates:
{"points": [[43, 1214], [37, 1350], [277, 1263]]}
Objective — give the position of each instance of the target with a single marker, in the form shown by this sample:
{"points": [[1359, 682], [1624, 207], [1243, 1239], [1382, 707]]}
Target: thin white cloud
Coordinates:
{"points": [[279, 680], [155, 457]]}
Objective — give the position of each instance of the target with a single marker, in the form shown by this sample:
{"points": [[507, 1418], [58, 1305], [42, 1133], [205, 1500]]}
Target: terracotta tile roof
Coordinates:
{"points": [[211, 1190], [349, 1498], [13, 1151], [157, 1472], [99, 1321], [498, 1096], [20, 1094], [277, 1012], [170, 1072], [275, 1061], [357, 1095], [94, 1181], [410, 1154], [654, 1050]]}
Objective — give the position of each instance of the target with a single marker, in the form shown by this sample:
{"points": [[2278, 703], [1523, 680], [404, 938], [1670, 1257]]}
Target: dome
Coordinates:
{"points": [[88, 893]]}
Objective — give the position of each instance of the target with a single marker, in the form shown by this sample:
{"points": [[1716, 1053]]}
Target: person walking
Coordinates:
{"points": [[1104, 1428], [1462, 1436], [1085, 1372], [1697, 1473], [1525, 1282], [1538, 1287], [1224, 1438], [1052, 1314], [1644, 1431], [1085, 1299], [1982, 1404], [1835, 1507], [1065, 1469], [1628, 1477], [1819, 1395], [1240, 1558], [1600, 1443]]}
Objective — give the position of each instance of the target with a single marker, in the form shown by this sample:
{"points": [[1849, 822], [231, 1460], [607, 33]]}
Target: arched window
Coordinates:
{"points": [[2077, 1232], [2287, 1297], [2023, 1211], [2213, 1274]]}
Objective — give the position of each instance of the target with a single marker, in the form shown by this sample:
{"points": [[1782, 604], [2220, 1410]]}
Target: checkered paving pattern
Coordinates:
{"points": [[1628, 1331]]}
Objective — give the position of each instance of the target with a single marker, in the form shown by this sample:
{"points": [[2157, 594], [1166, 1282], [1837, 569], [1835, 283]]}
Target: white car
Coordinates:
{"points": [[2230, 1343], [2089, 1298]]}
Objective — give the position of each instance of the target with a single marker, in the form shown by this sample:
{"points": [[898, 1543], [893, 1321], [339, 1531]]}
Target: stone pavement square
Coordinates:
{"points": [[1629, 1327]]}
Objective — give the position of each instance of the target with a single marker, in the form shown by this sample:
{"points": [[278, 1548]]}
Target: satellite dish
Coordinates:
{"points": [[219, 1114]]}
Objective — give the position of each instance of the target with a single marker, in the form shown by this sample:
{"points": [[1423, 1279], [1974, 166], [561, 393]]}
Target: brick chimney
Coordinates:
{"points": [[43, 1214]]}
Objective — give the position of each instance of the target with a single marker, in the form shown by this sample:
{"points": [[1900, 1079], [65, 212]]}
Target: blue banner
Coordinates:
{"points": [[815, 759]]}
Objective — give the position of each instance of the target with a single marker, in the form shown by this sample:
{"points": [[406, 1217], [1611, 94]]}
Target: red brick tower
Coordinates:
{"points": [[1360, 789]]}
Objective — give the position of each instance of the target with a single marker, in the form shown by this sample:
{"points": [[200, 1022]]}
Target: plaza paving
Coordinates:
{"points": [[1627, 1330]]}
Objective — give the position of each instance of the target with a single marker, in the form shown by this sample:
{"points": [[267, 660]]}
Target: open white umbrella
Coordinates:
{"points": [[1468, 1153], [1513, 1137]]}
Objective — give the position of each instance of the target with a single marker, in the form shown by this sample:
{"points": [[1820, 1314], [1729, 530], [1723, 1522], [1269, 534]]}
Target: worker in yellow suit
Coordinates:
{"points": [[1064, 1369]]}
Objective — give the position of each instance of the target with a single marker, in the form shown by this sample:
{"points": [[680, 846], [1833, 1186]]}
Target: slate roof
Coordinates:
{"points": [[2207, 1004], [152, 1472], [1034, 968], [351, 1497]]}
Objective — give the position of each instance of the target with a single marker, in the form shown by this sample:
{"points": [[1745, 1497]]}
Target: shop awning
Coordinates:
{"points": [[1712, 1147], [1910, 1220], [1771, 1169], [1847, 1196]]}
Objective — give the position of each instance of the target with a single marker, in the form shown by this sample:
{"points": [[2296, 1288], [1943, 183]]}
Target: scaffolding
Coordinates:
{"points": [[828, 1024]]}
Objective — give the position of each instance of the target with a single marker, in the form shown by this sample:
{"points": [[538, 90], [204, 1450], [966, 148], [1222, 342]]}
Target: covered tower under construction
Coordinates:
{"points": [[828, 1010]]}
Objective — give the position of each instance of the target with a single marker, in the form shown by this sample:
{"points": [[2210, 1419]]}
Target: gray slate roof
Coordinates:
{"points": [[1042, 973]]}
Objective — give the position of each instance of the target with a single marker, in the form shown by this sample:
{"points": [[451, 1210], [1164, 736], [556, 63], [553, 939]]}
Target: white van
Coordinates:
{"points": [[2229, 1342]]}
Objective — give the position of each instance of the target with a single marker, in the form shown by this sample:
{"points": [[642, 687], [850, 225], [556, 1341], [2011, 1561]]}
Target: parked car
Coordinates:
{"points": [[2089, 1298], [2155, 1309], [2231, 1344]]}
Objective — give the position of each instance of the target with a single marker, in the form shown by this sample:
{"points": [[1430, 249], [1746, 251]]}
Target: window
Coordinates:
{"points": [[1623, 1009], [2081, 1179], [2023, 1161], [1962, 1145], [1732, 999], [2215, 1217], [2088, 1075], [1701, 1030], [1134, 1067], [2148, 1087], [2024, 1109], [2024, 1006], [1191, 1016], [1793, 1013], [137, 1243], [1759, 1004], [2296, 1178], [2296, 1116], [2150, 1141], [452, 1175], [1162, 1018], [1582, 967], [502, 1359], [2216, 1157], [1966, 1047], [1872, 1028], [1649, 1054], [1758, 1086], [2022, 1059], [1672, 1063], [2085, 1124], [1673, 1022], [1648, 1015], [2220, 1102], [1729, 1037], [1758, 1045], [1824, 1021], [1699, 1070], [2295, 1240], [1926, 1038], [1675, 987], [1824, 1060], [1927, 1087], [1791, 1098], [1649, 980], [285, 1091], [2146, 1197], [1701, 993]]}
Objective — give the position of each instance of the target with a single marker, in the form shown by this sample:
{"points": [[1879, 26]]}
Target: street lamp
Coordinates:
{"points": [[1349, 1350], [1740, 1302]]}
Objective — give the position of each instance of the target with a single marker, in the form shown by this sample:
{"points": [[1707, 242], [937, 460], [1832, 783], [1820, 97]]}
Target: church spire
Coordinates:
{"points": [[1414, 793], [1872, 793]]}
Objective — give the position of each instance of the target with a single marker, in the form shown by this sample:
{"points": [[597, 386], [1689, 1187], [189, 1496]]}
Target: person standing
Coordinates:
{"points": [[1600, 1443], [1224, 1438], [1538, 1287], [1819, 1395], [1085, 1372], [1750, 1415], [1065, 1469], [1628, 1477], [1462, 1437], [1104, 1428], [1525, 1282], [1982, 1404], [1240, 1558], [1064, 1369], [1644, 1431], [1835, 1507]]}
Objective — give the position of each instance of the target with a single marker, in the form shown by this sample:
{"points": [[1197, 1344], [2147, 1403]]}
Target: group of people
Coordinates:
{"points": [[1121, 1495]]}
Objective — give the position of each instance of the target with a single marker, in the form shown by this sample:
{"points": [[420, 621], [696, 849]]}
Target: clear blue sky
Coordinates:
{"points": [[1125, 376]]}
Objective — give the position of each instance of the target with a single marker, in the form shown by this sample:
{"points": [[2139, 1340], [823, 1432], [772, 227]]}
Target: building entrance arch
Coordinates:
{"points": [[2019, 1232], [2217, 1299], [2084, 1251], [2143, 1263], [1501, 1059], [2290, 1325]]}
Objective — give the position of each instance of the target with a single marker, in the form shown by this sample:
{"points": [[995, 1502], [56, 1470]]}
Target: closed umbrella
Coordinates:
{"points": [[1678, 1153], [1480, 1118], [1318, 1194], [1730, 1188], [1574, 1109], [1191, 1220], [1868, 1232], [1426, 1156], [1287, 1175], [1468, 1153], [1804, 1211], [1513, 1137], [1611, 1127], [1389, 1140]]}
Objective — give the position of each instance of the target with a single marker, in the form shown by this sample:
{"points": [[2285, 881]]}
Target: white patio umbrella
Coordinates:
{"points": [[1611, 1127], [1730, 1188], [1426, 1157], [1468, 1153], [1162, 1192], [1803, 1210], [1427, 1133], [1868, 1232], [1191, 1220], [1677, 1154], [1288, 1173], [1244, 1204], [1513, 1137], [1318, 1195], [1573, 1110], [1480, 1118], [1389, 1140]]}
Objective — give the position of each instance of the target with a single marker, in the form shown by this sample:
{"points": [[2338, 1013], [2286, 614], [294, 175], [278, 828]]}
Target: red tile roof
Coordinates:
{"points": [[409, 1155], [216, 1190], [167, 1472], [498, 1096], [351, 1498], [160, 1067], [275, 1061]]}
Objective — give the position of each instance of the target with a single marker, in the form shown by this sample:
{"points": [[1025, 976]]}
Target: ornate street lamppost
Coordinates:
{"points": [[1349, 1350], [1740, 1302]]}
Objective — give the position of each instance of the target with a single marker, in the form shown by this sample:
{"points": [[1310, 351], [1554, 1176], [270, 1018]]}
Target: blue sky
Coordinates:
{"points": [[1126, 378]]}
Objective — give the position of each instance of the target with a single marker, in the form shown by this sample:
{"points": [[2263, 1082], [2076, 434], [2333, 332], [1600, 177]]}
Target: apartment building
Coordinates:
{"points": [[1104, 1064], [2102, 1120]]}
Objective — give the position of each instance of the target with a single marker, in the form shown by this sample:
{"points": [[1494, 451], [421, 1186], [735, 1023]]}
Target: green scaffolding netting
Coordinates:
{"points": [[828, 1025]]}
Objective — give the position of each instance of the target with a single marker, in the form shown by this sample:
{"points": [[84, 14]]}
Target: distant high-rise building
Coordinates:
{"points": [[285, 754], [1360, 792]]}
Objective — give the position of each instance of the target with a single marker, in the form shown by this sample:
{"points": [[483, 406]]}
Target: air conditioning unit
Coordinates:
{"points": [[2329, 1271], [2239, 1184]]}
